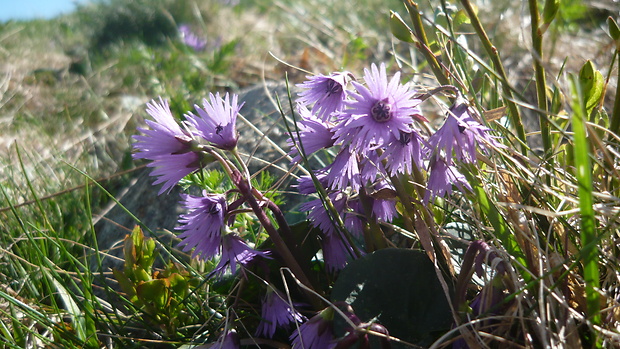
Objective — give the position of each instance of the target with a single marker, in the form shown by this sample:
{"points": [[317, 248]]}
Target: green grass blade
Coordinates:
{"points": [[502, 232], [82, 323], [586, 203]]}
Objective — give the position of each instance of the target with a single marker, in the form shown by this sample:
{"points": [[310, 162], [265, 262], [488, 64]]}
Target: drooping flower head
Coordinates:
{"points": [[402, 153], [325, 93], [344, 171], [383, 201], [228, 340], [314, 134], [377, 112], [235, 251], [442, 177], [216, 120], [305, 184], [203, 223], [461, 135], [336, 252], [320, 217], [316, 333], [191, 39], [353, 220], [276, 313], [167, 145]]}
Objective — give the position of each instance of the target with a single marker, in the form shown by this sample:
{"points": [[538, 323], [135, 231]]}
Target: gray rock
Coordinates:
{"points": [[262, 132]]}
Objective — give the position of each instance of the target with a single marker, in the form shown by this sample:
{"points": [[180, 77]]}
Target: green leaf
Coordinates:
{"points": [[83, 325], [179, 285], [129, 251], [149, 254], [126, 285], [399, 288], [614, 31], [550, 10], [399, 28], [140, 255], [501, 228], [592, 84], [154, 294], [460, 17]]}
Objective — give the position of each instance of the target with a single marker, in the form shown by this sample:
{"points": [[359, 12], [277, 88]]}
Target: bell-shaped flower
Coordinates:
{"points": [[169, 147], [216, 120], [326, 94]]}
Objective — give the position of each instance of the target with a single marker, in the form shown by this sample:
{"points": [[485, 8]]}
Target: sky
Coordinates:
{"points": [[30, 9]]}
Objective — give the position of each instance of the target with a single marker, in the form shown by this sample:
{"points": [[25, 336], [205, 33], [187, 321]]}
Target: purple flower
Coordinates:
{"points": [[276, 312], [191, 39], [402, 153], [370, 166], [378, 113], [353, 220], [314, 134], [202, 224], [216, 122], [344, 171], [442, 177], [167, 145], [320, 217], [235, 250], [384, 210], [305, 185], [336, 252], [230, 340], [326, 92], [461, 134], [316, 333]]}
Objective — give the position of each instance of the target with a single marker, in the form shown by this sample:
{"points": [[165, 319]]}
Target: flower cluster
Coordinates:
{"points": [[373, 128], [177, 149], [174, 149]]}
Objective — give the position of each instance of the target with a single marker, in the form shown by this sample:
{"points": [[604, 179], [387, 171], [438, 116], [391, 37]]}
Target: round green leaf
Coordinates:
{"points": [[400, 289]]}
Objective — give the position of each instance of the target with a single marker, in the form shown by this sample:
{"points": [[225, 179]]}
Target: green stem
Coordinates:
{"points": [[491, 50], [615, 114], [422, 43], [541, 83], [246, 171]]}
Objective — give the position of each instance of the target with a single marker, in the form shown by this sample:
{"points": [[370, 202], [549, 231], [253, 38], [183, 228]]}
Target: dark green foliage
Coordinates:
{"points": [[413, 307], [116, 21]]}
